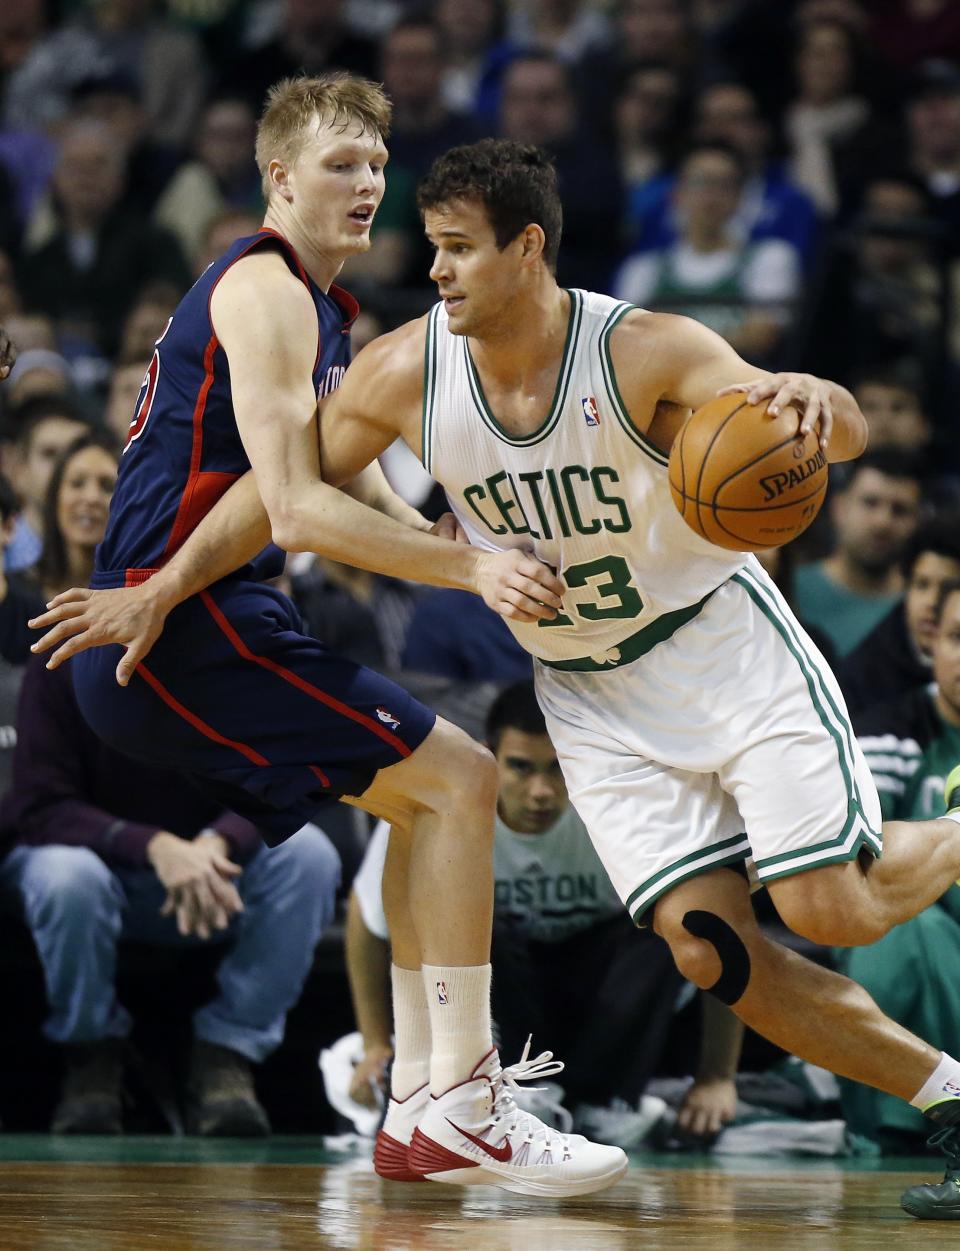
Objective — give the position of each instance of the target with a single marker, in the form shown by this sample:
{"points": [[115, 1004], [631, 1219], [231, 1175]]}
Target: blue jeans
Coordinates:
{"points": [[78, 909]]}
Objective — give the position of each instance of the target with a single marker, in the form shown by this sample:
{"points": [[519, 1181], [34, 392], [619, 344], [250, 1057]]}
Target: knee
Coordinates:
{"points": [[711, 945], [826, 912], [315, 863], [66, 882], [471, 773]]}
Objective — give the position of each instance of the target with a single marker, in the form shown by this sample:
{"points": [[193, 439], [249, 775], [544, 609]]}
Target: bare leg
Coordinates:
{"points": [[809, 1011], [856, 902]]}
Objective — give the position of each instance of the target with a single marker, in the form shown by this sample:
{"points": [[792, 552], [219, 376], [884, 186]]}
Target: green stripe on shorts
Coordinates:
{"points": [[838, 727], [716, 857]]}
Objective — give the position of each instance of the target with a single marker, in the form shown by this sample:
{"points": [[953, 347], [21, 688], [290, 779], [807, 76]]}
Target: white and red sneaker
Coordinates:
{"points": [[393, 1140], [476, 1135]]}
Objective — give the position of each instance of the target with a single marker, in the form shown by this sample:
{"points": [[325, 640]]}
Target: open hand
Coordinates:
{"points": [[78, 619], [808, 394], [517, 585]]}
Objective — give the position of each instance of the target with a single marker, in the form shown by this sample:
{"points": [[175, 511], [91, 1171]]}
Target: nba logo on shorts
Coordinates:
{"points": [[388, 718], [441, 992], [590, 411]]}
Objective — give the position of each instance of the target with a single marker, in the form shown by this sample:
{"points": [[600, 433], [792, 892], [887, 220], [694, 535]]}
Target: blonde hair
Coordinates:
{"points": [[296, 105]]}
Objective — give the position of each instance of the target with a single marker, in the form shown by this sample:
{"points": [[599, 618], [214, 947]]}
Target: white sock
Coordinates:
{"points": [[411, 1028], [458, 998], [943, 1083], [952, 815]]}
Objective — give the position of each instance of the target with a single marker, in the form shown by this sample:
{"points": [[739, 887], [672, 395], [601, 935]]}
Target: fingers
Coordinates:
{"points": [[226, 868], [76, 595], [58, 613], [227, 898], [127, 666], [65, 630], [549, 588], [811, 413], [826, 422]]}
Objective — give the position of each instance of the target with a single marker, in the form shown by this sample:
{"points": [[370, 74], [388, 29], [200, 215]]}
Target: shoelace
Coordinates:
{"points": [[948, 1140], [506, 1109]]}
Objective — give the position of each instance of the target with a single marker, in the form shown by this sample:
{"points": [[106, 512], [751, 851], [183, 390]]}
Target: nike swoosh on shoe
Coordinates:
{"points": [[502, 1154]]}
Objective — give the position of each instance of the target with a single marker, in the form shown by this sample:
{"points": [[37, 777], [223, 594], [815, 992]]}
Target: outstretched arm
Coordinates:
{"points": [[711, 1102]]}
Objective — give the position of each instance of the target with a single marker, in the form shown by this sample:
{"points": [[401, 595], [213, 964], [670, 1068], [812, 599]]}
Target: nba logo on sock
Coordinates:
{"points": [[590, 411], [441, 992], [950, 1087]]}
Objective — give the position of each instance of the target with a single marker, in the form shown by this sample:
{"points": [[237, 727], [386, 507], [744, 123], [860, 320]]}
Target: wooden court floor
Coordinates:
{"points": [[169, 1195]]}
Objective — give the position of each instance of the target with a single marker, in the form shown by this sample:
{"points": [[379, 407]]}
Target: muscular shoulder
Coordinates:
{"points": [[258, 304], [665, 358], [388, 373]]}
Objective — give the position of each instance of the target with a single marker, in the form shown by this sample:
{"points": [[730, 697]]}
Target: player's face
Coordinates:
{"points": [[532, 793], [929, 574], [946, 656], [84, 499], [335, 188], [475, 279]]}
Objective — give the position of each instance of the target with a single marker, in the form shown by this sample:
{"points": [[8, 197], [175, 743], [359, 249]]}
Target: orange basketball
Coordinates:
{"points": [[743, 478]]}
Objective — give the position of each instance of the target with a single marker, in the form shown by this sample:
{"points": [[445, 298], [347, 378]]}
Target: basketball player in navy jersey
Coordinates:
{"points": [[268, 718]]}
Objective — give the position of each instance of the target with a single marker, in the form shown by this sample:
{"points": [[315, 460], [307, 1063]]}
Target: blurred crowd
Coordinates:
{"points": [[787, 173]]}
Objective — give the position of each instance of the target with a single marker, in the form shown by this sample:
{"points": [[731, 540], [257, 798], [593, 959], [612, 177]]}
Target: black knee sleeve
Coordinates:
{"points": [[734, 957]]}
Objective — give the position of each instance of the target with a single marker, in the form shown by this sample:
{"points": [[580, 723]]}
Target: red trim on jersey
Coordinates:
{"points": [[185, 519], [301, 683], [136, 577], [318, 772], [197, 722]]}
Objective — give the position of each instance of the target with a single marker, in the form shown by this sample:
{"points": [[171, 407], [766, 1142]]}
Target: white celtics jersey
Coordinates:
{"points": [[586, 491]]}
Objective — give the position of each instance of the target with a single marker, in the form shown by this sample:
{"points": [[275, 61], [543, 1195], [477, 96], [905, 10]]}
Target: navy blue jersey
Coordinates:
{"points": [[184, 449]]}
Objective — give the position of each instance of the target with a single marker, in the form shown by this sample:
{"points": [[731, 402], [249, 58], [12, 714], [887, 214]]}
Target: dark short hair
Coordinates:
{"points": [[9, 503], [720, 146], [516, 183], [890, 461], [32, 412], [940, 536], [515, 708], [950, 587]]}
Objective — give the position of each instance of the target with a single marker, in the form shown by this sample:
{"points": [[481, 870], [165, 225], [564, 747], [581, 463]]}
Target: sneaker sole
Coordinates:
{"points": [[424, 1148], [390, 1160], [927, 1212]]}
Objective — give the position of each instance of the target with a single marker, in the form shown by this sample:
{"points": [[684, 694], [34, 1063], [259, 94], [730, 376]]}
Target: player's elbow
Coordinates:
{"points": [[287, 527]]}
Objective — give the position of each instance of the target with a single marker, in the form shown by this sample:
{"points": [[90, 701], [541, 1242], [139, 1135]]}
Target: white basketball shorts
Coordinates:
{"points": [[728, 741]]}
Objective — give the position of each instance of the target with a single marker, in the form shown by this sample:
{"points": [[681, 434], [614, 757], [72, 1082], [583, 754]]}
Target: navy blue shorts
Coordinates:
{"points": [[235, 696]]}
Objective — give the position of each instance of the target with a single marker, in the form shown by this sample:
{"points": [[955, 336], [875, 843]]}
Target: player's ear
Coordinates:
{"points": [[533, 240], [279, 176]]}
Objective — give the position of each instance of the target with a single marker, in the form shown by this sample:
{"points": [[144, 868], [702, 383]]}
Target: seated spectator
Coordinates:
{"points": [[831, 125], [475, 52], [874, 508], [743, 291], [539, 105], [105, 847], [911, 744], [223, 230], [770, 206], [145, 323], [314, 36], [647, 121], [20, 599], [222, 175], [878, 296], [894, 410], [567, 961], [39, 371], [126, 383], [99, 253], [933, 141], [895, 658], [453, 634], [165, 61], [45, 426]]}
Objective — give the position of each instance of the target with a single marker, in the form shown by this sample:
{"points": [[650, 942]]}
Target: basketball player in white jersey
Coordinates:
{"points": [[699, 729]]}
